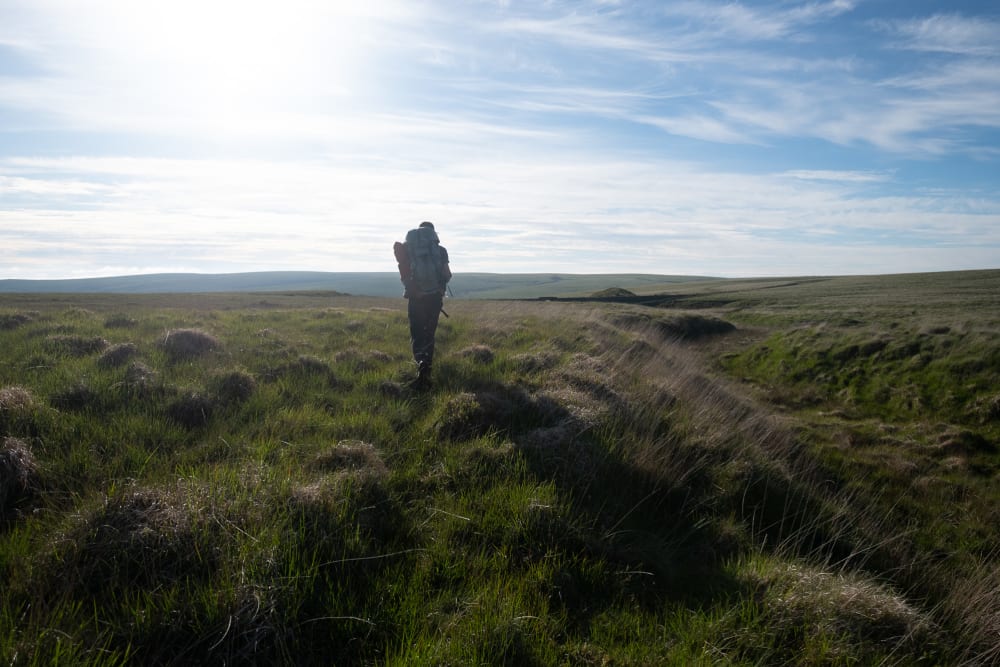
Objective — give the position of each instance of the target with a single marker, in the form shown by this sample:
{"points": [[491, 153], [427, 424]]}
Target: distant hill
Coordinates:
{"points": [[268, 281], [463, 285]]}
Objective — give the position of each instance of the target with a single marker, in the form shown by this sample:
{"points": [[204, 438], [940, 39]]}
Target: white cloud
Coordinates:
{"points": [[49, 187], [814, 11], [567, 212], [839, 176], [947, 33], [737, 20], [578, 32], [699, 127]]}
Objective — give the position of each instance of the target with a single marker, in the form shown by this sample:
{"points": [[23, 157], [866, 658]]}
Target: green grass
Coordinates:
{"points": [[770, 481]]}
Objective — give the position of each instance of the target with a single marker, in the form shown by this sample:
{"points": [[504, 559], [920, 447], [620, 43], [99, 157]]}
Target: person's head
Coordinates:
{"points": [[428, 225]]}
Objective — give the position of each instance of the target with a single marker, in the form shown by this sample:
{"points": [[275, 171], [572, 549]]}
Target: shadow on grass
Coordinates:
{"points": [[649, 530], [631, 534]]}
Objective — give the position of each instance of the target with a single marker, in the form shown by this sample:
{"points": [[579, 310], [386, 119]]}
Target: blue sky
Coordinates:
{"points": [[695, 137]]}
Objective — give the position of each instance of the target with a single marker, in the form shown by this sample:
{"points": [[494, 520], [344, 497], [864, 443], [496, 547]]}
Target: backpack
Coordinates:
{"points": [[424, 270]]}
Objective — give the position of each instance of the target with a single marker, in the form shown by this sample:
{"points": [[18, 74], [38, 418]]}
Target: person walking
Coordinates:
{"points": [[424, 272]]}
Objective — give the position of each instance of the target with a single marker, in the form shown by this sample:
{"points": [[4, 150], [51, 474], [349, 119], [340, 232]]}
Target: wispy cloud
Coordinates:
{"points": [[741, 21], [701, 127], [839, 176], [743, 96], [947, 33]]}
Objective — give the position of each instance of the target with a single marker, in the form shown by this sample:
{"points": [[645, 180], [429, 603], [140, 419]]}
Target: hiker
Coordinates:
{"points": [[424, 272]]}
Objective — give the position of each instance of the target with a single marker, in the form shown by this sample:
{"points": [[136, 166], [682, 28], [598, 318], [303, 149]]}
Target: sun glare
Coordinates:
{"points": [[223, 59]]}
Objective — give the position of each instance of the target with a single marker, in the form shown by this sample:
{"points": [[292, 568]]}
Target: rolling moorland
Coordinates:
{"points": [[796, 471], [385, 284]]}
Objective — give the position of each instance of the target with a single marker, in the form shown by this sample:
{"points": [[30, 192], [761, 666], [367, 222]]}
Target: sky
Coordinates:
{"points": [[695, 137]]}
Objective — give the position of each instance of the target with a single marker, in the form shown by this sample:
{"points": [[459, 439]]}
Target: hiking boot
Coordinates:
{"points": [[423, 379]]}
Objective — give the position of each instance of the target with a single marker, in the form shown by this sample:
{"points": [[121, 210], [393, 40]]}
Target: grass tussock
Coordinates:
{"points": [[185, 344], [534, 362], [350, 455], [140, 380], [78, 397], [234, 387], [20, 478], [478, 353], [844, 616], [191, 409], [18, 411], [9, 321], [507, 410], [309, 368], [118, 355], [137, 537], [16, 399], [312, 365], [986, 409]]}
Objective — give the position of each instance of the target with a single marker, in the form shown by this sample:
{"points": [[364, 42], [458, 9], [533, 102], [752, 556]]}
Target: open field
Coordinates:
{"points": [[794, 471]]}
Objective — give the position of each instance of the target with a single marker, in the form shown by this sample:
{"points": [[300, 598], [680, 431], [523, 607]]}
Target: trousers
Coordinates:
{"points": [[424, 312]]}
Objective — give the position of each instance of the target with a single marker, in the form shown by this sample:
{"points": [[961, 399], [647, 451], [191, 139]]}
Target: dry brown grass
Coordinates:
{"points": [[19, 475], [589, 374], [350, 455], [139, 379], [715, 414], [987, 410], [317, 493], [534, 362], [16, 399], [583, 408], [973, 603], [848, 610], [351, 483]]}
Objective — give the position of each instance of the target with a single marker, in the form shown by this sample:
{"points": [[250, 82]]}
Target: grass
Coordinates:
{"points": [[799, 474]]}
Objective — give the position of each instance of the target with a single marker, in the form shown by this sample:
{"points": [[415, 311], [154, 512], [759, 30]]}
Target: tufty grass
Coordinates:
{"points": [[206, 480]]}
